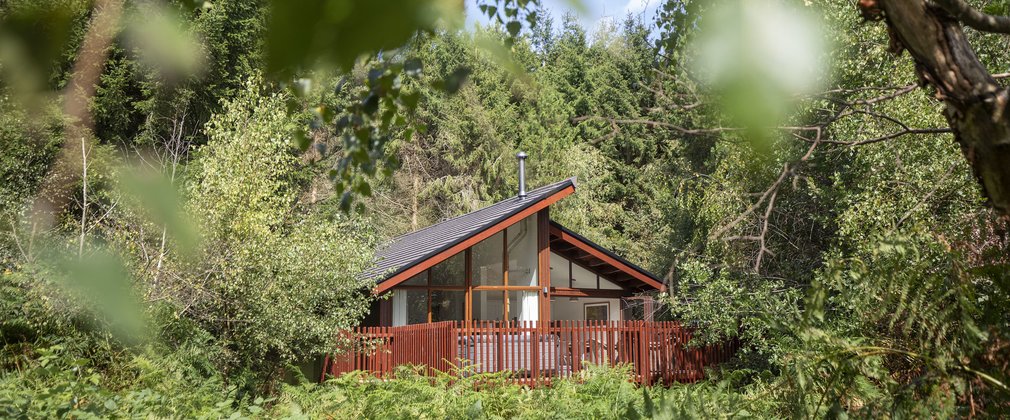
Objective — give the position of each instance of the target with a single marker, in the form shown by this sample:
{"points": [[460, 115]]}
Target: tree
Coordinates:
{"points": [[932, 33], [276, 282]]}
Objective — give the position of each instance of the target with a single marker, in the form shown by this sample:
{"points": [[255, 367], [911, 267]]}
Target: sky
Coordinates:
{"points": [[596, 11]]}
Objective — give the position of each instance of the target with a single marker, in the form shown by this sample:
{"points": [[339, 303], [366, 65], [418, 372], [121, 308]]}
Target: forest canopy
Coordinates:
{"points": [[189, 190]]}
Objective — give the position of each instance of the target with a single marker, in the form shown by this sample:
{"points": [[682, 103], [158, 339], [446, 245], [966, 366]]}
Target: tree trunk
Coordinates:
{"points": [[975, 103]]}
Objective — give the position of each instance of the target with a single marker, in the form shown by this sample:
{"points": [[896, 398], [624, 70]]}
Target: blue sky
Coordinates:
{"points": [[596, 11]]}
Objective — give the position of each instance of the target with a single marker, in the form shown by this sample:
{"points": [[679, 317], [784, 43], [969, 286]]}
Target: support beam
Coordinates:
{"points": [[544, 259], [589, 249], [588, 293]]}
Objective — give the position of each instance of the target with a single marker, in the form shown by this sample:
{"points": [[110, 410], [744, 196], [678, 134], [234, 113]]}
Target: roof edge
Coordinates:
{"points": [[406, 272], [656, 282]]}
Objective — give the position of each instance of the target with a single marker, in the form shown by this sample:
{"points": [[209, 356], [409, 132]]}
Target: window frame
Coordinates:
{"points": [[468, 285]]}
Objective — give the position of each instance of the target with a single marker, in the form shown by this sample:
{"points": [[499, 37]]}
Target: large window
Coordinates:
{"points": [[523, 305], [451, 272], [561, 276], [522, 253], [503, 282], [448, 305], [488, 305], [488, 261], [433, 295], [410, 307], [566, 273]]}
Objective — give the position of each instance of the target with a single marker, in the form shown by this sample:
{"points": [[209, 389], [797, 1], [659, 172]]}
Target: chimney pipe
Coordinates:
{"points": [[522, 174]]}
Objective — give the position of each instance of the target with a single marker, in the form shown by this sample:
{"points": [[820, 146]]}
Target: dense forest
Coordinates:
{"points": [[188, 191]]}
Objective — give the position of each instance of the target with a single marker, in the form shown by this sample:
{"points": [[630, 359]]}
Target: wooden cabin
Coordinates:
{"points": [[506, 287]]}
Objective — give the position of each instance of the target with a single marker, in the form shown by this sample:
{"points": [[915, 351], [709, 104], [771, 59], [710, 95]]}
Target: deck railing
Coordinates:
{"points": [[658, 352]]}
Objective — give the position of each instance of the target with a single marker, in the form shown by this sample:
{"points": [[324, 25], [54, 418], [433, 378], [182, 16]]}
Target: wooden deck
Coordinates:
{"points": [[534, 351]]}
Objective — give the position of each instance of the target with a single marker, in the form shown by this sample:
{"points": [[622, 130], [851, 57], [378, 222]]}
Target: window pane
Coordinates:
{"points": [[488, 306], [607, 284], [487, 261], [416, 302], [597, 312], [421, 279], [450, 272], [559, 271], [582, 278], [523, 306], [522, 243], [447, 305]]}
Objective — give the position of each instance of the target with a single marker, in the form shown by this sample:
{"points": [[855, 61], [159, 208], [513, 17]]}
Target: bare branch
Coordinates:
{"points": [[926, 197], [764, 232], [689, 131], [77, 98], [971, 17], [773, 189]]}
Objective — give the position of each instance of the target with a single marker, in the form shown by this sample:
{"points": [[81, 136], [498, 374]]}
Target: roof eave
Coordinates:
{"points": [[406, 272]]}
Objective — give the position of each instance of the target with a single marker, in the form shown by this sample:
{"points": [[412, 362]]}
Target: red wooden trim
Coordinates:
{"points": [[509, 288], [505, 272], [657, 350], [480, 236], [590, 293], [544, 269], [467, 309], [457, 288], [606, 258]]}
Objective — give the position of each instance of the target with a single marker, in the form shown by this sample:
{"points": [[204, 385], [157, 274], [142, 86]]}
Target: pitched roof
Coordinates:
{"points": [[407, 250], [560, 233]]}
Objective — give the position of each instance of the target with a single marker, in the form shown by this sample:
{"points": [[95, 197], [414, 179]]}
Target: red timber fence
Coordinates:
{"points": [[658, 352]]}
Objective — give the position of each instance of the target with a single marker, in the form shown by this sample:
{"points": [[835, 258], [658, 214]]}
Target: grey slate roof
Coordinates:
{"points": [[405, 251]]}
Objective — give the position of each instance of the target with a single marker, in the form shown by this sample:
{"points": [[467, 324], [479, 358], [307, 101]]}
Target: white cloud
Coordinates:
{"points": [[638, 6]]}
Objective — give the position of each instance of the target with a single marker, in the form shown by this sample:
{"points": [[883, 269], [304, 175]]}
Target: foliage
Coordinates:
{"points": [[29, 145], [275, 288], [55, 383], [866, 278], [599, 393]]}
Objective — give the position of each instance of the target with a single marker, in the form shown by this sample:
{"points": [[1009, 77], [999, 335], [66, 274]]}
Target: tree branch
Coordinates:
{"points": [[968, 15], [770, 191]]}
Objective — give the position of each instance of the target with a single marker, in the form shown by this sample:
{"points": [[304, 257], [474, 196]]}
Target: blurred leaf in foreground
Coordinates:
{"points": [[304, 34], [758, 55], [159, 36], [98, 287]]}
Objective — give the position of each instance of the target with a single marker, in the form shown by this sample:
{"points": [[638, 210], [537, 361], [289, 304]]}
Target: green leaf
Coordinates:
{"points": [[301, 140], [370, 104], [513, 27], [409, 100], [412, 66], [303, 34], [345, 202], [454, 81], [650, 408]]}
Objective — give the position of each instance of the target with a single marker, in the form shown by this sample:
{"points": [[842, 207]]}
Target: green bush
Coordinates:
{"points": [[597, 392]]}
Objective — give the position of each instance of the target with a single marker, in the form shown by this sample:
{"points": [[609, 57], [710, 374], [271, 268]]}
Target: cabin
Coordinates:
{"points": [[506, 287]]}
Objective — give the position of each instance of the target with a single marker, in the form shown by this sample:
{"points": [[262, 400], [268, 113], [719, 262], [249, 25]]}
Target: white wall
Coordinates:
{"points": [[564, 309]]}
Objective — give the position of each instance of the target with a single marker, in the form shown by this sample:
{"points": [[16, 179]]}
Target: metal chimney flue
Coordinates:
{"points": [[522, 174]]}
